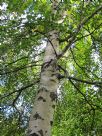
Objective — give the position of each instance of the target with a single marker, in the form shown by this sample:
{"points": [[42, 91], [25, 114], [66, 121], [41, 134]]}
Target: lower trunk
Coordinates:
{"points": [[41, 118]]}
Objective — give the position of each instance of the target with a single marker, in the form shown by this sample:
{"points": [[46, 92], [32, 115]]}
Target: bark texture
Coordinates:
{"points": [[41, 119]]}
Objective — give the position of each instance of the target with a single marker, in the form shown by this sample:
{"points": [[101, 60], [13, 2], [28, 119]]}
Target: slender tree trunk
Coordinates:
{"points": [[41, 119]]}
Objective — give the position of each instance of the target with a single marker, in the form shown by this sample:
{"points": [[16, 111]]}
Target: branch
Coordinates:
{"points": [[9, 94], [20, 68], [24, 57], [88, 18], [81, 94], [82, 68], [20, 114], [17, 60], [72, 39], [90, 33], [99, 84], [19, 90], [93, 106], [19, 93], [93, 120]]}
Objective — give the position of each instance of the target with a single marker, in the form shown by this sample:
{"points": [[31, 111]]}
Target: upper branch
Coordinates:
{"points": [[96, 83], [99, 84], [73, 36], [19, 90]]}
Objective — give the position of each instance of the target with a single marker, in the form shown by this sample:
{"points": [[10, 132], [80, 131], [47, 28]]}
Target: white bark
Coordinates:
{"points": [[41, 119]]}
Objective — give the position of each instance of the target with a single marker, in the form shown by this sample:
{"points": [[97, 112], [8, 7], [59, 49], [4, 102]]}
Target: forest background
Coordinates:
{"points": [[24, 36]]}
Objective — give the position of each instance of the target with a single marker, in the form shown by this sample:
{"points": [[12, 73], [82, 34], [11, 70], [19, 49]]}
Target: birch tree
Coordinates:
{"points": [[42, 115], [50, 67]]}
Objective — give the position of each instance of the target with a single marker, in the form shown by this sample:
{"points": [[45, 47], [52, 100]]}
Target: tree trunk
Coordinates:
{"points": [[41, 119]]}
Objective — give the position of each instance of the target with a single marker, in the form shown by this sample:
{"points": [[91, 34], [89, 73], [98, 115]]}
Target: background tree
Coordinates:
{"points": [[25, 27]]}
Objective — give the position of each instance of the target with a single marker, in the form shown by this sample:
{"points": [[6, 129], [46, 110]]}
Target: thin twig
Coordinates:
{"points": [[20, 68], [81, 94], [82, 68], [19, 90]]}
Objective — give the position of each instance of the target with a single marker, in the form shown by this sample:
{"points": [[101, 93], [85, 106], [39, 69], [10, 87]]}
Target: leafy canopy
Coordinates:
{"points": [[24, 27]]}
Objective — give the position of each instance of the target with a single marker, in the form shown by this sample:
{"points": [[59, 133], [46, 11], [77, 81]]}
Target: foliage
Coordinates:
{"points": [[24, 27]]}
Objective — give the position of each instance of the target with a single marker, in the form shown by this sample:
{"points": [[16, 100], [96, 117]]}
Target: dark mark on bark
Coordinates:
{"points": [[41, 132], [40, 98], [46, 65], [53, 106], [51, 123], [29, 131], [52, 80], [42, 90], [53, 74], [34, 134], [46, 131], [37, 116], [51, 70], [59, 76], [53, 96]]}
